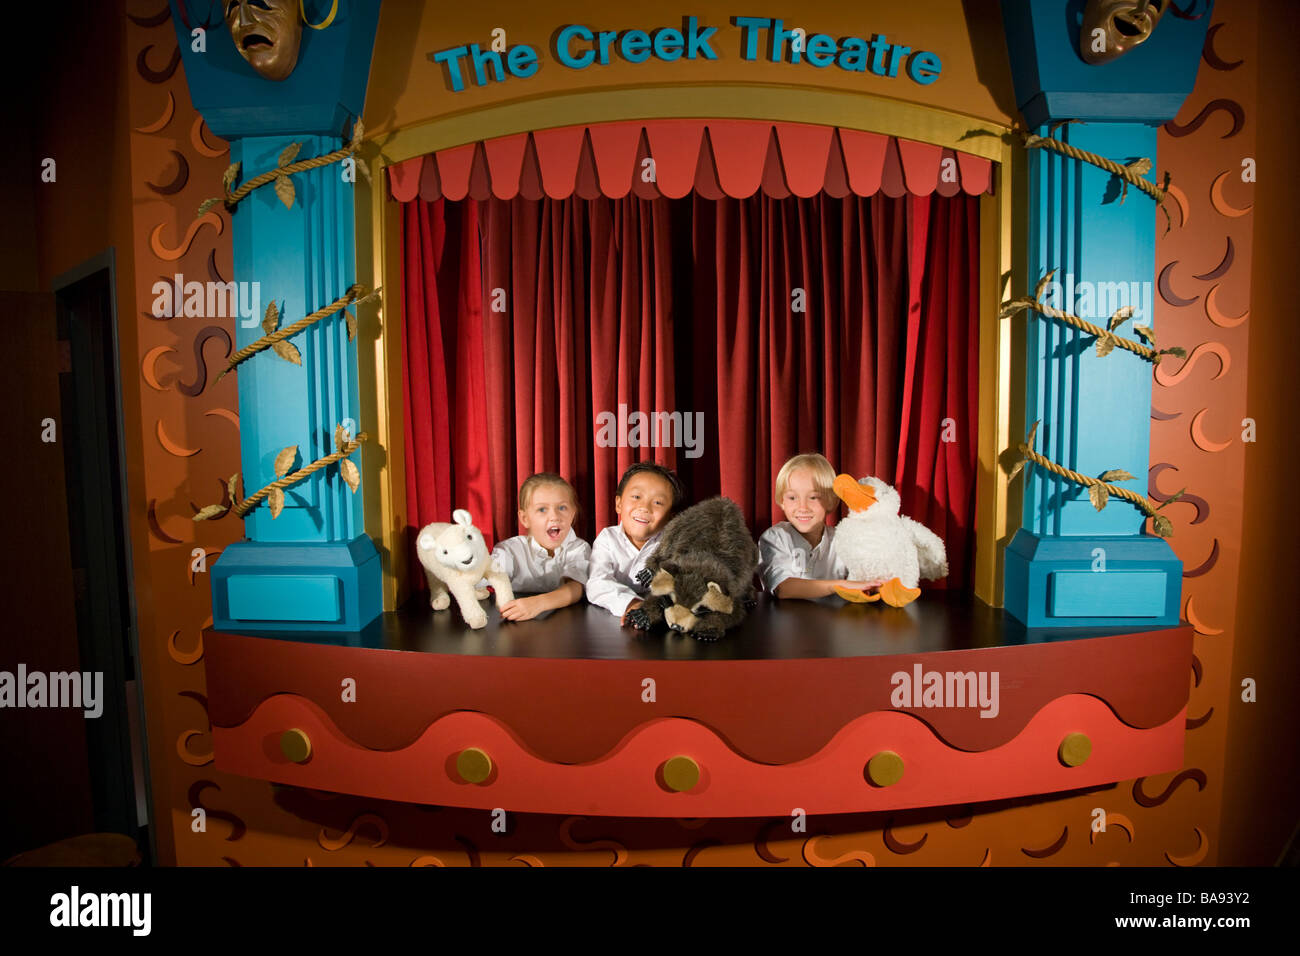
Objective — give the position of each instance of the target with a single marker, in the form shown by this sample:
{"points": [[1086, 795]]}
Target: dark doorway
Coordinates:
{"points": [[95, 481]]}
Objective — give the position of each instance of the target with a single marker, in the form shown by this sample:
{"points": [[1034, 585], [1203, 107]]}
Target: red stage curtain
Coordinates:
{"points": [[688, 305]]}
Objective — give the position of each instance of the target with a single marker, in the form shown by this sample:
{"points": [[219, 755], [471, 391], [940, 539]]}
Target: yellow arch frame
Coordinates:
{"points": [[378, 249]]}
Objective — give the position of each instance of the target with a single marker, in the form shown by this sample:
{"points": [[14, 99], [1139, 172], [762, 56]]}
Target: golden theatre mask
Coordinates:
{"points": [[267, 33], [1124, 24]]}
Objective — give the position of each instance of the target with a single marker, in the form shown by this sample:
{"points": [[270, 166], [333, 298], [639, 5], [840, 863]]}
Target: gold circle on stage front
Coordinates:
{"points": [[473, 765], [681, 773], [885, 768], [295, 745], [1075, 749]]}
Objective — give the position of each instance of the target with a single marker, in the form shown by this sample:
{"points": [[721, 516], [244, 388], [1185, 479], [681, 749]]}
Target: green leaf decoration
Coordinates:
{"points": [[1145, 333], [1115, 474], [352, 324], [1175, 350], [1105, 344], [288, 153], [1162, 526], [338, 438], [1015, 470], [206, 205], [229, 176], [1029, 439], [271, 321]]}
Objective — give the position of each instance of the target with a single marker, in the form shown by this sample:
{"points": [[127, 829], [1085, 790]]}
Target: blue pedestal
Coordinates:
{"points": [[1092, 581], [275, 586]]}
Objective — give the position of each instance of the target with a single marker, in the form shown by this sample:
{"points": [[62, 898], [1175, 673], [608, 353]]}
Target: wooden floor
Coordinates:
{"points": [[774, 630]]}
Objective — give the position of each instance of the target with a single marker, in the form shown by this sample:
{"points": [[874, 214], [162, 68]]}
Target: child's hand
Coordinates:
{"points": [[632, 606], [523, 609], [860, 585]]}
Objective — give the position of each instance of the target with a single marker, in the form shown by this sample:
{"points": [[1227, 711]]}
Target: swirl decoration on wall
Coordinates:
{"points": [[192, 656], [1055, 847], [1115, 819], [566, 837], [1211, 56], [201, 339], [178, 181], [158, 125], [1196, 856], [330, 843], [1140, 795], [763, 836], [895, 845], [195, 794], [1231, 107], [813, 856], [157, 76]]}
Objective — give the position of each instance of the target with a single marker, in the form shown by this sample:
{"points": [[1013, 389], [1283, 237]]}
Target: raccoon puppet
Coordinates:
{"points": [[701, 577]]}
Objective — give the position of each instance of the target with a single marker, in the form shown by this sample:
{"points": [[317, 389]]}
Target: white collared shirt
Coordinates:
{"points": [[784, 553], [615, 563], [532, 571]]}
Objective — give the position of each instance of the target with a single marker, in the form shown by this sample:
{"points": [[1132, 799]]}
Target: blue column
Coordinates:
{"points": [[1070, 565], [313, 566]]}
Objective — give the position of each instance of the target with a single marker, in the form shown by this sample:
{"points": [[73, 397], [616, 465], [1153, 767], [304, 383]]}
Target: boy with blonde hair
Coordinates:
{"points": [[548, 563], [797, 556]]}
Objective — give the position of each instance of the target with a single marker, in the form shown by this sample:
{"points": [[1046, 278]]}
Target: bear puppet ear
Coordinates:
{"points": [[461, 517], [713, 586]]}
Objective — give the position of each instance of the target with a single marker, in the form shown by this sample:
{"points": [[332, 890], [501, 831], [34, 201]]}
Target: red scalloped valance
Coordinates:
{"points": [[714, 157]]}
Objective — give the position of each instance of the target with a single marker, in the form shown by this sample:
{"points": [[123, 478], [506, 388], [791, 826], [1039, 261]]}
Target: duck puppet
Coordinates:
{"points": [[876, 543]]}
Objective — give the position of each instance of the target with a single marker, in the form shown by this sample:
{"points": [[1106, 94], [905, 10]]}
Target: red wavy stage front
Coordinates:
{"points": [[754, 753]]}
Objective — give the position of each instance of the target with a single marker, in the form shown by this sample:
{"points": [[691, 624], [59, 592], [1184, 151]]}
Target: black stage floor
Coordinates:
{"points": [[774, 630]]}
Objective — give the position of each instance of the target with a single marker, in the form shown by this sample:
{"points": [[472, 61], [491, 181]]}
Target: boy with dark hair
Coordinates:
{"points": [[646, 497]]}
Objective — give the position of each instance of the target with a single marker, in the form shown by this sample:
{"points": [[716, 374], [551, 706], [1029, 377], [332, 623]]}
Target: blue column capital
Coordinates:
{"points": [[1147, 84], [326, 87]]}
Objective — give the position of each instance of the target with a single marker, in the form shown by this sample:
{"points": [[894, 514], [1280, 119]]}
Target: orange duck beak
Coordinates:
{"points": [[857, 496]]}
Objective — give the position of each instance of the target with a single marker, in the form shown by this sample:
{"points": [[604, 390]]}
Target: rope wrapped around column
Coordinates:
{"points": [[1099, 489], [280, 175], [354, 294], [251, 502], [1106, 337], [1130, 174]]}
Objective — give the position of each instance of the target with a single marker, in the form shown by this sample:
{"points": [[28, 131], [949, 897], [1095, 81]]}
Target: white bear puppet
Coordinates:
{"points": [[876, 543], [456, 559]]}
